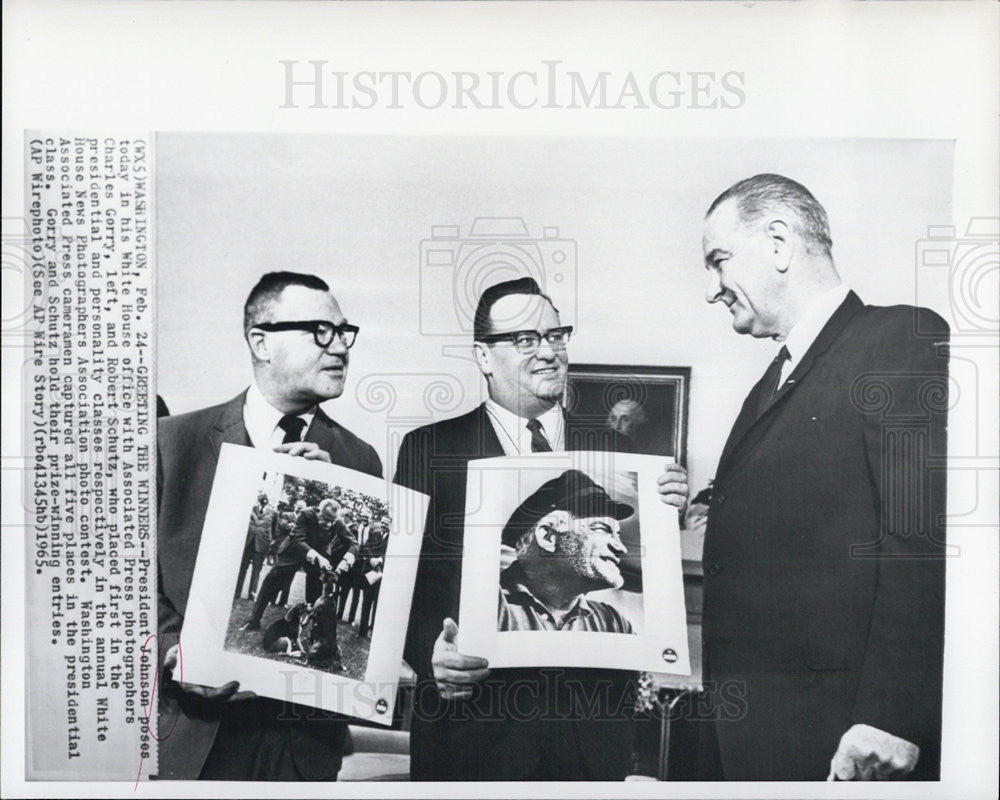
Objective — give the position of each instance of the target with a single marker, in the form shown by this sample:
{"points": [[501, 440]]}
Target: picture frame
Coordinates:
{"points": [[649, 404]]}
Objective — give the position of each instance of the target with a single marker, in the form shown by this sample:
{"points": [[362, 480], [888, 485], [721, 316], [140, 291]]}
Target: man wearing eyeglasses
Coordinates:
{"points": [[299, 341], [516, 724]]}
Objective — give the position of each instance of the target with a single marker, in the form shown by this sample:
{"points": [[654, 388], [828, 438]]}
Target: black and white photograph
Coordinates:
{"points": [[315, 555], [564, 543], [314, 526], [573, 537]]}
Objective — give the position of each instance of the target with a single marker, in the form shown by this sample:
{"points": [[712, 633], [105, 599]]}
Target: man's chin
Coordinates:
{"points": [[612, 579], [551, 389], [742, 326], [330, 387]]}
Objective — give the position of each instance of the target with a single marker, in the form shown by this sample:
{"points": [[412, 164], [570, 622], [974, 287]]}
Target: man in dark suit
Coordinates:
{"points": [[298, 339], [521, 724], [317, 542], [371, 557], [824, 551], [350, 584], [260, 537]]}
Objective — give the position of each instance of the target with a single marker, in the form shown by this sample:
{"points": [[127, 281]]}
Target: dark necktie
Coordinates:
{"points": [[539, 444], [292, 426], [772, 379]]}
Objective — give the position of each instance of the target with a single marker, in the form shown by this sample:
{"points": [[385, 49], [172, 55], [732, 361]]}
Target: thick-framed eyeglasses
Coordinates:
{"points": [[322, 330], [528, 342]]}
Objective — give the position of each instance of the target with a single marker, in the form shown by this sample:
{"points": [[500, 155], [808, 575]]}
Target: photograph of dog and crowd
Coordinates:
{"points": [[310, 576]]}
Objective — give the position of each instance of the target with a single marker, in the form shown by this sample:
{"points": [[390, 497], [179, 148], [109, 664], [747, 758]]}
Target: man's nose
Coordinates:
{"points": [[545, 351], [618, 545], [337, 346], [713, 291]]}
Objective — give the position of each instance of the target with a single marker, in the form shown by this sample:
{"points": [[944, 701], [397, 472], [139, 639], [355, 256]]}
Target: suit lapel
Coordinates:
{"points": [[749, 418], [486, 441], [827, 336], [323, 433], [746, 418], [229, 426]]}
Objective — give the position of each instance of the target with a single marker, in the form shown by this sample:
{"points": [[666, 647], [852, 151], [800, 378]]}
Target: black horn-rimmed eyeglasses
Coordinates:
{"points": [[528, 342], [322, 330]]}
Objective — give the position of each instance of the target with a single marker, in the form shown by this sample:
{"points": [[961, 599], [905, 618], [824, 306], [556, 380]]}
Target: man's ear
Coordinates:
{"points": [[547, 530], [482, 353], [782, 242], [258, 344]]}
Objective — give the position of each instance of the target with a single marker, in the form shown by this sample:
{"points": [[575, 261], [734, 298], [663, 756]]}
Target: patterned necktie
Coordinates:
{"points": [[292, 426], [772, 379], [539, 444]]}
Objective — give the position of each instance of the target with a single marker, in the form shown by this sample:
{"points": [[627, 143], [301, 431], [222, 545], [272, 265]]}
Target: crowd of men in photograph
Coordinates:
{"points": [[363, 524]]}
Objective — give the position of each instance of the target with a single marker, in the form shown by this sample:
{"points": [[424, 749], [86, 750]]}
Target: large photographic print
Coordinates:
{"points": [[570, 559], [290, 551]]}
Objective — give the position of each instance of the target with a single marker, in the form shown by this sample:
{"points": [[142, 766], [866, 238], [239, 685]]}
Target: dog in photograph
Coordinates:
{"points": [[282, 635], [318, 628]]}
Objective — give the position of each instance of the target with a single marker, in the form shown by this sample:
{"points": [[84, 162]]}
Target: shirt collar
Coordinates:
{"points": [[805, 331], [513, 427], [552, 423], [261, 418]]}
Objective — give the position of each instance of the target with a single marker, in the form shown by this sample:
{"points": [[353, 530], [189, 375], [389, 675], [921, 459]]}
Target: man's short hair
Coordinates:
{"points": [[325, 503], [482, 324], [269, 288], [762, 193]]}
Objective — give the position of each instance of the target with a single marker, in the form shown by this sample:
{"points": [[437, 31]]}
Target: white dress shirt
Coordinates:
{"points": [[513, 433], [261, 419], [805, 331]]}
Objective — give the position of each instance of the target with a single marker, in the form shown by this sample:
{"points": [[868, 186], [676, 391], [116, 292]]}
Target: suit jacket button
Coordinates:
{"points": [[714, 569], [720, 498]]}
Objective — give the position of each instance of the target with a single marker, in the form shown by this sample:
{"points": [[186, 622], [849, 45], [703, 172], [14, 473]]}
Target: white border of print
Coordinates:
{"points": [[491, 484], [237, 480]]}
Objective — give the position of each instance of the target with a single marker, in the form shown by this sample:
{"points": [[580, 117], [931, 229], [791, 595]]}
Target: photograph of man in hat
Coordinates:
{"points": [[567, 540]]}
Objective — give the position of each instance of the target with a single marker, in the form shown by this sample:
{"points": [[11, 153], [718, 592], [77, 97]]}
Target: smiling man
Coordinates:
{"points": [[469, 723], [824, 551], [567, 537], [299, 340]]}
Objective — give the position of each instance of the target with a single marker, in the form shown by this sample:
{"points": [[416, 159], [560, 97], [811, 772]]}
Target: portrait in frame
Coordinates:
{"points": [[649, 405]]}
